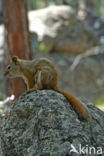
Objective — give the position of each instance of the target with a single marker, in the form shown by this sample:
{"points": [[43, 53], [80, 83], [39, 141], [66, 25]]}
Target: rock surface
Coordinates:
{"points": [[60, 30], [43, 123]]}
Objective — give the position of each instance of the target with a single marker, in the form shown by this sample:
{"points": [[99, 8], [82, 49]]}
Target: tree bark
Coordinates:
{"points": [[17, 38]]}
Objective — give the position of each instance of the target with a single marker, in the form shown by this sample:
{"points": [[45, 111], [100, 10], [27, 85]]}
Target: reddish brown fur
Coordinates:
{"points": [[42, 74], [30, 78]]}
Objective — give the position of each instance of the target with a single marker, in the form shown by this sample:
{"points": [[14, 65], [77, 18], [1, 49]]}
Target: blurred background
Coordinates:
{"points": [[68, 32]]}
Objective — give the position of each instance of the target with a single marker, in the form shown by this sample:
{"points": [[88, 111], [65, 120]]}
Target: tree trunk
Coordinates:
{"points": [[17, 38]]}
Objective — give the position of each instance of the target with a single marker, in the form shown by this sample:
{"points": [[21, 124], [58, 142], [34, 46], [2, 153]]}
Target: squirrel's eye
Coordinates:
{"points": [[9, 67]]}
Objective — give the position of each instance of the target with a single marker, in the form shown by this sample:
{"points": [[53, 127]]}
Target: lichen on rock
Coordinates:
{"points": [[43, 123]]}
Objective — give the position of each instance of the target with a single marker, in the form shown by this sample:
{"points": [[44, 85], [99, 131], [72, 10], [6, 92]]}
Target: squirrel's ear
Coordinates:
{"points": [[15, 59]]}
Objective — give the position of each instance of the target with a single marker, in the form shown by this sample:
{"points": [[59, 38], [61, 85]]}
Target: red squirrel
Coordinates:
{"points": [[41, 74]]}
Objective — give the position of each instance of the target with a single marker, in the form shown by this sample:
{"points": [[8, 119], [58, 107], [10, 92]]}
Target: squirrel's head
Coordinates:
{"points": [[13, 68]]}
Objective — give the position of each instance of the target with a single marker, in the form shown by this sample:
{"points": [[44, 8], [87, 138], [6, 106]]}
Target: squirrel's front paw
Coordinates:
{"points": [[21, 96]]}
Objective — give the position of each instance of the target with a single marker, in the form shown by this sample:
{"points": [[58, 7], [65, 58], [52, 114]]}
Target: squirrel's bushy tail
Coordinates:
{"points": [[76, 104]]}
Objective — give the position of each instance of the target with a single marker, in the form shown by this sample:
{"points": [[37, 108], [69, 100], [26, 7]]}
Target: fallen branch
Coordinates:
{"points": [[93, 51]]}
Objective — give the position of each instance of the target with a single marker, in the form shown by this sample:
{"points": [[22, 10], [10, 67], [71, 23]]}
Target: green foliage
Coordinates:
{"points": [[43, 48], [99, 7], [38, 4], [1, 96], [99, 101]]}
